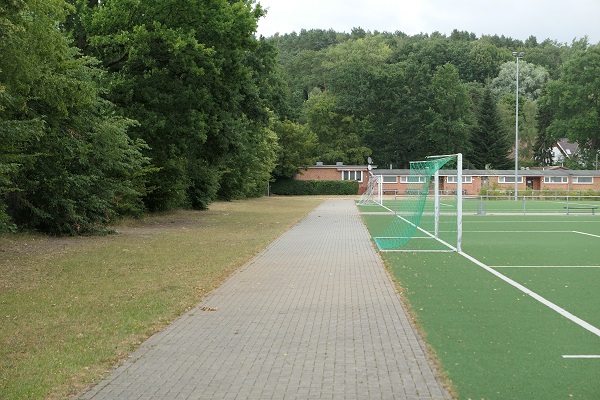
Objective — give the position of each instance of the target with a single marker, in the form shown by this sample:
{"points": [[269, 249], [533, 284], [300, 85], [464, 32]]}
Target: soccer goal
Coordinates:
{"points": [[425, 218], [373, 196]]}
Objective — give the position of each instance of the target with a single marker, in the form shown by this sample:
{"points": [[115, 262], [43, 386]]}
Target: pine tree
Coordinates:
{"points": [[544, 141], [490, 145]]}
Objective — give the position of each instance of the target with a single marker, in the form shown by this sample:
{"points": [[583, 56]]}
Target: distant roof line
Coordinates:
{"points": [[501, 172], [548, 171]]}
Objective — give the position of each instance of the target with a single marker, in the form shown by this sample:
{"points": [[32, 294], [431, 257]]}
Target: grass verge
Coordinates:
{"points": [[72, 308]]}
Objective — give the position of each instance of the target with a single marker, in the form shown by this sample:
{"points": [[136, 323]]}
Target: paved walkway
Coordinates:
{"points": [[313, 316]]}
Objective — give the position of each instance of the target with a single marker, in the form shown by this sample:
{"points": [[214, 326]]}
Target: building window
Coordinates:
{"points": [[509, 179], [465, 179], [412, 179], [352, 176], [586, 180], [390, 179], [556, 179]]}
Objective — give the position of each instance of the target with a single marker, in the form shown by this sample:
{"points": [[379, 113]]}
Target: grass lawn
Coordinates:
{"points": [[72, 308]]}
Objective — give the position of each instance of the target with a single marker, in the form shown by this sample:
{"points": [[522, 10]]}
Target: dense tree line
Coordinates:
{"points": [[111, 108], [120, 107], [411, 96]]}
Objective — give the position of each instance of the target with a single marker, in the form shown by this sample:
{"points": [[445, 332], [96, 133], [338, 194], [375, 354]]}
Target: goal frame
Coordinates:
{"points": [[459, 199], [459, 210]]}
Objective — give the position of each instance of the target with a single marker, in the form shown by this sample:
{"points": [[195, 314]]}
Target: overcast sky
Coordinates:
{"points": [[561, 20]]}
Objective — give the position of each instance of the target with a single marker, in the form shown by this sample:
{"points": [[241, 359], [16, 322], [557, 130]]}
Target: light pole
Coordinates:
{"points": [[517, 56]]}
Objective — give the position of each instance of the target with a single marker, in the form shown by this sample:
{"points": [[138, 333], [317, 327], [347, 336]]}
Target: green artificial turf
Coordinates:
{"points": [[482, 205], [493, 340]]}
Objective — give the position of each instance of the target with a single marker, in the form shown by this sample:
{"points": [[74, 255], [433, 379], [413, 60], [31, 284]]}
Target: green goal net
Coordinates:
{"points": [[430, 218]]}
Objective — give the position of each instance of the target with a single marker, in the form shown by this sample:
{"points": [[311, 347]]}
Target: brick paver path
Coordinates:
{"points": [[313, 316]]}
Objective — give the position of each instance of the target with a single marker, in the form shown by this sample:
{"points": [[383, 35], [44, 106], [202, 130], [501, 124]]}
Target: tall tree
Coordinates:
{"points": [[451, 113], [490, 144], [74, 167], [338, 134], [296, 147], [577, 92], [542, 148], [532, 79], [400, 95], [350, 69], [195, 77]]}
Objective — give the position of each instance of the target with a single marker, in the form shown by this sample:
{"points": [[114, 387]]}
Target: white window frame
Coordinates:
{"points": [[389, 179], [411, 179], [465, 179], [502, 179], [577, 178], [556, 180], [351, 175]]}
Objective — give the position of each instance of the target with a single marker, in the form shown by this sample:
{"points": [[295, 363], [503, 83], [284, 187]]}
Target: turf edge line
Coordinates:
{"points": [[580, 356], [536, 296], [545, 266], [587, 234]]}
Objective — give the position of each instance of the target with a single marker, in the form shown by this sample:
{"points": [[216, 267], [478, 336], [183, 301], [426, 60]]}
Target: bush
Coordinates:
{"points": [[292, 187]]}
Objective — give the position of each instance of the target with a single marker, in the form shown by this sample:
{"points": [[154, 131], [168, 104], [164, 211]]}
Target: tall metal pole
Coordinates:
{"points": [[517, 55], [459, 202], [436, 203]]}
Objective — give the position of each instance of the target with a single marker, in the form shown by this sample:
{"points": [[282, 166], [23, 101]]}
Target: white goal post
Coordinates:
{"points": [[374, 193], [459, 199]]}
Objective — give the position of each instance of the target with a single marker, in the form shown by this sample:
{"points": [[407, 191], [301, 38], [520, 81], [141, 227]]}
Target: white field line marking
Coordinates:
{"points": [[545, 266], [580, 356], [546, 222], [522, 288], [587, 234], [536, 296], [419, 251], [519, 231], [422, 230]]}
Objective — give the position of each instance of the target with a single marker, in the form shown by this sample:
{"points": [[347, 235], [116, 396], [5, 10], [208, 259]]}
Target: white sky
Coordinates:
{"points": [[561, 20]]}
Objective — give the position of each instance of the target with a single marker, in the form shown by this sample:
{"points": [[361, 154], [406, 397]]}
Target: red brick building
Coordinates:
{"points": [[396, 180]]}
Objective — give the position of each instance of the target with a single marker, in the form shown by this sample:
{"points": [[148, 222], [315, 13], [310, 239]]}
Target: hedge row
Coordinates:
{"points": [[292, 187]]}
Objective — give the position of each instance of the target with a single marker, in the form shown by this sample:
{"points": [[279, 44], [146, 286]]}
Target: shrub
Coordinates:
{"points": [[292, 187]]}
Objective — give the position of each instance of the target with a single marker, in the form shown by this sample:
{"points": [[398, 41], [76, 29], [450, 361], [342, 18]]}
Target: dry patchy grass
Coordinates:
{"points": [[71, 308]]}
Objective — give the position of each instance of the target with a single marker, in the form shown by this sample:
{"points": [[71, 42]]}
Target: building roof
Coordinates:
{"points": [[482, 172], [548, 171], [339, 166], [567, 148]]}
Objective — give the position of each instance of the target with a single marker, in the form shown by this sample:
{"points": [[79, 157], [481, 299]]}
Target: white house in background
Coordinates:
{"points": [[563, 150]]}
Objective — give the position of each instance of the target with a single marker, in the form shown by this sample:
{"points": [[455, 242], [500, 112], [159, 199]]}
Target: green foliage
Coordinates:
{"points": [[490, 144], [81, 180], [542, 148], [576, 102], [401, 99], [532, 79], [70, 166], [199, 84], [385, 83], [291, 187], [205, 110], [251, 166], [450, 112], [339, 135], [296, 148], [349, 71]]}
